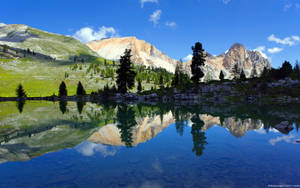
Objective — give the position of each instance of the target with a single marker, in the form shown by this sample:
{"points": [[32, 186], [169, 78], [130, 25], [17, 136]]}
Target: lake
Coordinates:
{"points": [[80, 144]]}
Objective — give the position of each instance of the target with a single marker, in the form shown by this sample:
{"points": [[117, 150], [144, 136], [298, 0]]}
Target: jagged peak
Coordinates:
{"points": [[237, 46]]}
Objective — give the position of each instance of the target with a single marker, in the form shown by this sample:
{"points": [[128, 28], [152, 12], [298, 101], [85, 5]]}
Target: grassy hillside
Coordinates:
{"points": [[40, 61], [54, 45]]}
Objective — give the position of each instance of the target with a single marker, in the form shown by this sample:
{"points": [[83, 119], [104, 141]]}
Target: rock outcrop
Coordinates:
{"points": [[143, 52], [146, 128], [146, 54], [246, 60]]}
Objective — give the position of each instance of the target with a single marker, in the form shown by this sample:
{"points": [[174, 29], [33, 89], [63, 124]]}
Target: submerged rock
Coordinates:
{"points": [[284, 127]]}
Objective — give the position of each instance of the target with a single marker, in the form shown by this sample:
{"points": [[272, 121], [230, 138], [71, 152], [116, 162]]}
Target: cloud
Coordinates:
{"points": [[291, 41], [188, 58], [89, 149], [274, 50], [147, 1], [226, 1], [287, 139], [171, 24], [155, 17], [287, 7], [261, 50], [88, 34]]}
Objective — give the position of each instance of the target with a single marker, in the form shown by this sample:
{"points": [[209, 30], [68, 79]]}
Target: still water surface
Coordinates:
{"points": [[45, 144]]}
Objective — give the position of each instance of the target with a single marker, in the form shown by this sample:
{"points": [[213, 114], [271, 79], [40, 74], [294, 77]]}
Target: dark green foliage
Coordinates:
{"points": [[126, 122], [242, 76], [126, 74], [5, 48], [63, 106], [180, 80], [198, 61], [221, 77], [199, 138], [108, 91], [20, 92], [62, 90], [80, 89], [139, 88], [286, 69], [161, 82]]}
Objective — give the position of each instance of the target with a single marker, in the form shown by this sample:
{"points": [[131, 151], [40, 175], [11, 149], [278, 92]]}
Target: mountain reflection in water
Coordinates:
{"points": [[42, 127]]}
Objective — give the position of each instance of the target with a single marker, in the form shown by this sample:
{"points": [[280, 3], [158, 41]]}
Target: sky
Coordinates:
{"points": [[173, 26]]}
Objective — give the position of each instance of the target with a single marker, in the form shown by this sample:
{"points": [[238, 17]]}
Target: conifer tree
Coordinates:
{"points": [[20, 91], [243, 76], [126, 74], [221, 77], [62, 90], [161, 82], [139, 88], [198, 61], [80, 89]]}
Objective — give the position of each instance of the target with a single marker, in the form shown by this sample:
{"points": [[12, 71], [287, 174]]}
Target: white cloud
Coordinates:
{"points": [[155, 17], [226, 1], [188, 58], [88, 34], [89, 149], [287, 139], [287, 7], [171, 24], [147, 1], [261, 50], [296, 38], [274, 50], [291, 41]]}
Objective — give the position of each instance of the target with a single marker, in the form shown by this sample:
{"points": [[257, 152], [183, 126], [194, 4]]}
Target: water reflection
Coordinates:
{"points": [[126, 121], [20, 105], [46, 127], [63, 106], [199, 139]]}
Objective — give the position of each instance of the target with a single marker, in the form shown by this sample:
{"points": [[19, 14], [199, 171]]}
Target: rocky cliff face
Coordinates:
{"points": [[146, 54], [146, 129], [143, 52], [246, 60]]}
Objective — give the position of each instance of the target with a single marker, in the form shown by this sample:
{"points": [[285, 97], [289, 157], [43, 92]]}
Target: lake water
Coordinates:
{"points": [[69, 144]]}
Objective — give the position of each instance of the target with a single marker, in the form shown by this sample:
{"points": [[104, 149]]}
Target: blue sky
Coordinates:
{"points": [[173, 26]]}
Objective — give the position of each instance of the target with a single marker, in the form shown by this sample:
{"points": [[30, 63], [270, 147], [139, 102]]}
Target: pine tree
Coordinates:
{"points": [[80, 89], [243, 76], [161, 82], [62, 90], [221, 77], [20, 91], [139, 88], [126, 74], [198, 61], [286, 69], [297, 69], [236, 71]]}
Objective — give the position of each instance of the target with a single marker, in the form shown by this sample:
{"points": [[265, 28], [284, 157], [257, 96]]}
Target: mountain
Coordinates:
{"points": [[246, 60], [146, 54], [54, 45], [143, 52]]}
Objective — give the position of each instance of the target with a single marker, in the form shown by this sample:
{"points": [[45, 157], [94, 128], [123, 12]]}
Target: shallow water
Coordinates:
{"points": [[99, 145]]}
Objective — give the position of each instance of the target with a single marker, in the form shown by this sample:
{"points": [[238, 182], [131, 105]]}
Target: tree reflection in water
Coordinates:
{"points": [[126, 122], [80, 105], [63, 106], [20, 105], [199, 139]]}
